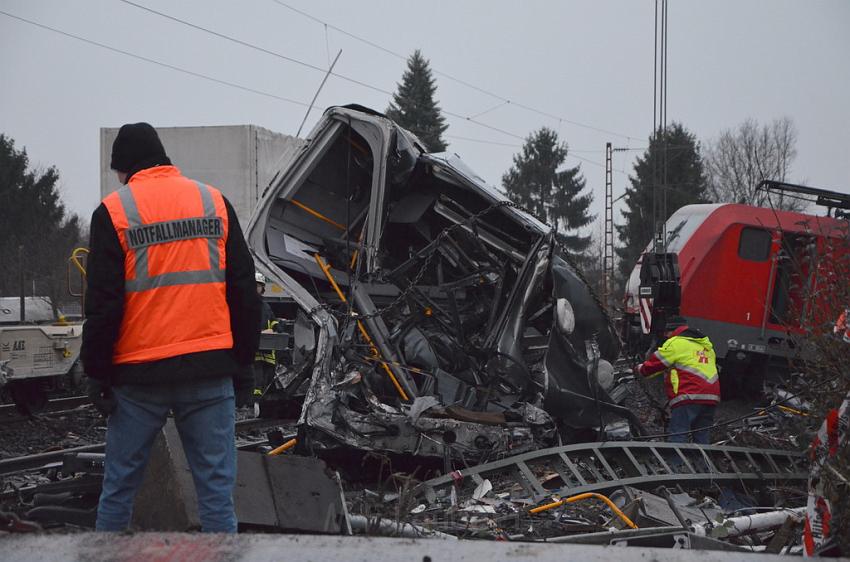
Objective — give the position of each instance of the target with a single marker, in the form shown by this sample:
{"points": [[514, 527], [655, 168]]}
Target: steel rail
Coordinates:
{"points": [[10, 411], [51, 459]]}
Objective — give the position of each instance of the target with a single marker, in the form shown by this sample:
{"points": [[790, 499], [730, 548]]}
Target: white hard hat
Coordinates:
{"points": [[260, 278]]}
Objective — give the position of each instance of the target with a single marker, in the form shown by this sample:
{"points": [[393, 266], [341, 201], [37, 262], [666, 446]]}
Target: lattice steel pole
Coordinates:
{"points": [[608, 243]]}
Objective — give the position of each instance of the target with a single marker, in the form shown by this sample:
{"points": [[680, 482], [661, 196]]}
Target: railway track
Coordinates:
{"points": [[54, 459], [10, 412]]}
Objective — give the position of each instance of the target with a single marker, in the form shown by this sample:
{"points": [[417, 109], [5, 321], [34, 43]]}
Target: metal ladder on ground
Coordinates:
{"points": [[595, 467]]}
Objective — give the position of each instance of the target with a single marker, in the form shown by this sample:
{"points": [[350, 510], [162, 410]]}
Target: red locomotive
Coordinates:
{"points": [[750, 278]]}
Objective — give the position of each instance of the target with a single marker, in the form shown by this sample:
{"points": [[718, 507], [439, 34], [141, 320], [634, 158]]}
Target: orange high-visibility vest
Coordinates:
{"points": [[173, 232]]}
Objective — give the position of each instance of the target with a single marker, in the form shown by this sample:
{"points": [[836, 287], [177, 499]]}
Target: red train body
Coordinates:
{"points": [[751, 278]]}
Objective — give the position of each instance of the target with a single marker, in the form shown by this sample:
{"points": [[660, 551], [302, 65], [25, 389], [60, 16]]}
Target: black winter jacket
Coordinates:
{"points": [[105, 309]]}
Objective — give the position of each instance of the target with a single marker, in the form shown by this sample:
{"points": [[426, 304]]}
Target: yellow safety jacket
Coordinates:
{"points": [[690, 366], [267, 355]]}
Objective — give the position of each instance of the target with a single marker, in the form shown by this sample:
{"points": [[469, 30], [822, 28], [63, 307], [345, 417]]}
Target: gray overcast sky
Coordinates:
{"points": [[584, 61]]}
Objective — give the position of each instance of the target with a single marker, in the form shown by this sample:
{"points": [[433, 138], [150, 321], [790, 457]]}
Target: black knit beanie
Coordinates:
{"points": [[137, 147]]}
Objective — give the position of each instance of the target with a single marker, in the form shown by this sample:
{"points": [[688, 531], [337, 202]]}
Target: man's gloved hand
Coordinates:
{"points": [[636, 370], [100, 394]]}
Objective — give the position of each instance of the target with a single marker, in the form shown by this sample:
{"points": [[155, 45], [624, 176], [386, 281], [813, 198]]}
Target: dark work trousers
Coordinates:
{"points": [[691, 422], [204, 415], [263, 377]]}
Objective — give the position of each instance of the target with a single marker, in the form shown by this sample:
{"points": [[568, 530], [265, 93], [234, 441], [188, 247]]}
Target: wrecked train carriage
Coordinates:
{"points": [[443, 315]]}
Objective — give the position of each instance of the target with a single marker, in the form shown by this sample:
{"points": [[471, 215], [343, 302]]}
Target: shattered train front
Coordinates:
{"points": [[430, 316]]}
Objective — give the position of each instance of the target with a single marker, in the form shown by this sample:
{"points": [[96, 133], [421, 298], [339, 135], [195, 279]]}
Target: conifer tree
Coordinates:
{"points": [[414, 107], [535, 182], [35, 225], [683, 183]]}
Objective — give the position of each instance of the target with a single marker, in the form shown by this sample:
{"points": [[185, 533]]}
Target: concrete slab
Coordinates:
{"points": [[173, 547], [167, 501], [287, 492], [252, 496]]}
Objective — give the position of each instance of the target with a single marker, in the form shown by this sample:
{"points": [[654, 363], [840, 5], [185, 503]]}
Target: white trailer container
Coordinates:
{"points": [[239, 160]]}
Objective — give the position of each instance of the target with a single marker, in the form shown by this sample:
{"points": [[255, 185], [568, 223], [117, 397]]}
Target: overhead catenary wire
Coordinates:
{"points": [[254, 90], [156, 62], [665, 138], [318, 91], [484, 141], [222, 81], [468, 118], [488, 110], [659, 124], [255, 47], [517, 145], [460, 81]]}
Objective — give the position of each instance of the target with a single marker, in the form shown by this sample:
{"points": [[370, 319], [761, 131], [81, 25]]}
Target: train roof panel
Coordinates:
{"points": [[789, 221], [684, 222]]}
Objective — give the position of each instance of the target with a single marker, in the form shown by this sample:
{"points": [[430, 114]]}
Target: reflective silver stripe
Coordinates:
{"points": [[175, 278], [209, 210], [130, 209], [662, 359], [683, 397], [143, 280], [134, 220]]}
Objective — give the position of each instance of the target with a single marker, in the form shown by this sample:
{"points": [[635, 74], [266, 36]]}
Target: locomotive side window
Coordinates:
{"points": [[754, 244]]}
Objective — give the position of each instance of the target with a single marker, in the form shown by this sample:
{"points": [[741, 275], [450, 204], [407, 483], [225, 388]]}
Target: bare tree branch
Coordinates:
{"points": [[740, 158]]}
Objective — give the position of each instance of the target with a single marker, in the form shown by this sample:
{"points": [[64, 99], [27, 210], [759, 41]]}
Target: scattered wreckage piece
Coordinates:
{"points": [[67, 501], [502, 500], [586, 496], [665, 509], [409, 278], [675, 538], [11, 523], [745, 524], [363, 525], [38, 460], [288, 493], [595, 467]]}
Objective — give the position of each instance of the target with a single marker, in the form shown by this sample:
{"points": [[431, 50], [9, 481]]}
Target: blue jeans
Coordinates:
{"points": [[204, 416], [688, 417]]}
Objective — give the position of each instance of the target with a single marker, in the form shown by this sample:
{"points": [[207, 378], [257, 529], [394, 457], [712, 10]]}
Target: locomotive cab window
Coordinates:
{"points": [[754, 244]]}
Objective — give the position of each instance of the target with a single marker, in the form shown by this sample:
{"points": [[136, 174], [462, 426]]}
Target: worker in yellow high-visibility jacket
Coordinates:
{"points": [[689, 364]]}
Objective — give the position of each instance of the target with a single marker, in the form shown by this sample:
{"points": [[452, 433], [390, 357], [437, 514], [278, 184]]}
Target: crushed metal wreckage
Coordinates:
{"points": [[432, 316], [658, 494]]}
